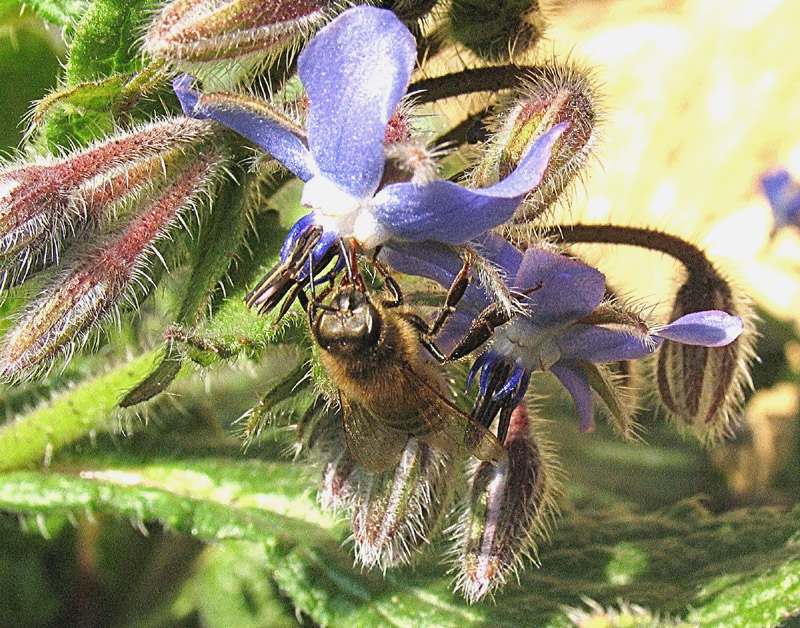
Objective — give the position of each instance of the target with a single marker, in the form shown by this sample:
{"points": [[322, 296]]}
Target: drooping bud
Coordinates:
{"points": [[507, 508], [42, 205], [395, 512], [320, 433], [336, 490], [90, 289], [192, 32], [554, 94], [496, 30], [704, 385]]}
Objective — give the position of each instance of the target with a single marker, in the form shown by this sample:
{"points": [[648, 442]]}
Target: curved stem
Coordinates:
{"points": [[489, 79], [688, 254]]}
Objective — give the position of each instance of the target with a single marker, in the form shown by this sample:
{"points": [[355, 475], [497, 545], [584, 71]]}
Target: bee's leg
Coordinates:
{"points": [[483, 327], [454, 295], [389, 282], [425, 338], [480, 331]]}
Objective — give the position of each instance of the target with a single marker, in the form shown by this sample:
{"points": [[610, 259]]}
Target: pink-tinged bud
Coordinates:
{"points": [[507, 509], [395, 512], [704, 386], [496, 30], [553, 94], [89, 291], [408, 157], [336, 490], [191, 32], [43, 205]]}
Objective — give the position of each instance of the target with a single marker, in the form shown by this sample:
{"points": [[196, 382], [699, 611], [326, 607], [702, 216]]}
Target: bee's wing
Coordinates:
{"points": [[374, 446], [453, 431]]}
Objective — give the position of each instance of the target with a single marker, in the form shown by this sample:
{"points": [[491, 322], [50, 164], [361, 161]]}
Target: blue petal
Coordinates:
{"points": [[783, 194], [454, 214], [499, 251], [355, 71], [708, 329], [574, 379], [250, 120], [436, 261], [567, 289], [594, 343]]}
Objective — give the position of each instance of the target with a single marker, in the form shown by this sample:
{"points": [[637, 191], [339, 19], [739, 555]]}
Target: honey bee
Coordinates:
{"points": [[374, 352]]}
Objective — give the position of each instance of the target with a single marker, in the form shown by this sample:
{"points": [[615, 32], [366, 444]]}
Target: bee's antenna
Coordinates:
{"points": [[348, 262]]}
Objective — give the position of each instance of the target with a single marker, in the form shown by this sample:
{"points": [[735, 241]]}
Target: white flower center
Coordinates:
{"points": [[528, 343], [347, 215]]}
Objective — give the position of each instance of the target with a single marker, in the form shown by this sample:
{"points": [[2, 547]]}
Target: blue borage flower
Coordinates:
{"points": [[356, 70], [564, 327], [783, 193]]}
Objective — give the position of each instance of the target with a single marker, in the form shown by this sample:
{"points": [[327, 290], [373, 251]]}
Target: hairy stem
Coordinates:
{"points": [[491, 79], [695, 260]]}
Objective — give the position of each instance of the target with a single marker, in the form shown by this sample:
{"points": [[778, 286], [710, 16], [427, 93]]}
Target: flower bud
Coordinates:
{"points": [[704, 385], [496, 30], [190, 32], [336, 490], [395, 512], [322, 436], [42, 205], [89, 291], [554, 94], [505, 512]]}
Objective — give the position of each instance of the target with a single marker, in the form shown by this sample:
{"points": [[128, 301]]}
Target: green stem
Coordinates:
{"points": [[80, 410]]}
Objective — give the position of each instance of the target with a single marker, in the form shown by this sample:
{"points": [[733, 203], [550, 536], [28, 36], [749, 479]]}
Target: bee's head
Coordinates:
{"points": [[349, 324]]}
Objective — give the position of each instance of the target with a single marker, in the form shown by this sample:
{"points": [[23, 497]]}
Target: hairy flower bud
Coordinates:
{"points": [[326, 444], [43, 205], [191, 32], [395, 512], [506, 510], [554, 94], [336, 490], [93, 285], [496, 30], [703, 385]]}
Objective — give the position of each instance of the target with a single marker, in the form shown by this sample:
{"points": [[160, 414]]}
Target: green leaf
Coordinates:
{"points": [[233, 586], [105, 40], [739, 569], [211, 499], [29, 65], [62, 13], [85, 408]]}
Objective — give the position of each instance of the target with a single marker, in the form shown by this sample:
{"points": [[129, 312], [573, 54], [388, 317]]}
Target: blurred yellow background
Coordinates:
{"points": [[702, 96]]}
